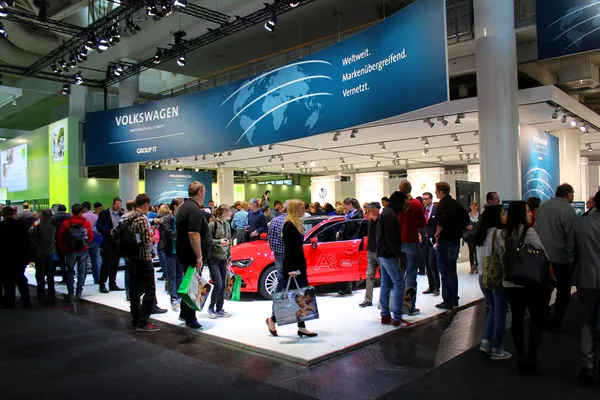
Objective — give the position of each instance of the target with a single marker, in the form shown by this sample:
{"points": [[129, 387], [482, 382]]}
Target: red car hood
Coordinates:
{"points": [[255, 250]]}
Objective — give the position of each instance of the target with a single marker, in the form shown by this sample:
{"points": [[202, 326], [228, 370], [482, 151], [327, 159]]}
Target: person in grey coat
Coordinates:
{"points": [[554, 224], [42, 251], [587, 279]]}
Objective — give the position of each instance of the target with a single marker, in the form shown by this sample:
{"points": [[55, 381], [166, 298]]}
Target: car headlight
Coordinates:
{"points": [[243, 263]]}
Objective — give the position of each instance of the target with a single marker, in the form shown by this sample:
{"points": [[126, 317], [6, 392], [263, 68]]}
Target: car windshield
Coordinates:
{"points": [[309, 223]]}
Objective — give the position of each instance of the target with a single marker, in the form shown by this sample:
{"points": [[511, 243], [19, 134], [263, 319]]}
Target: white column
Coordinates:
{"points": [[226, 186], [325, 189], [585, 179], [129, 177], [569, 156], [474, 173], [496, 53], [424, 180], [371, 186], [593, 179]]}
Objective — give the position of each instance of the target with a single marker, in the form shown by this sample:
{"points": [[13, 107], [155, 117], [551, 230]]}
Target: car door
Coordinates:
{"points": [[333, 253]]}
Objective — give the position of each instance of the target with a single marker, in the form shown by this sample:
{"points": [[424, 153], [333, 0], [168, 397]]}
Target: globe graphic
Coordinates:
{"points": [[580, 24], [278, 102], [536, 183]]}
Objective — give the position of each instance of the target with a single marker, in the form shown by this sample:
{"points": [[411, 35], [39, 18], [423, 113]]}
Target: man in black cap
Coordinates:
{"points": [[373, 217]]}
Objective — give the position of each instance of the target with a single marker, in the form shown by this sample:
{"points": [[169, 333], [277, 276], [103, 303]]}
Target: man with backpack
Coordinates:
{"points": [[74, 236]]}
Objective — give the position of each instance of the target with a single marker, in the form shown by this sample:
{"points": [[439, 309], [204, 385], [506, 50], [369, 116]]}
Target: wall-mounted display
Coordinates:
{"points": [[14, 168], [164, 185], [540, 168]]}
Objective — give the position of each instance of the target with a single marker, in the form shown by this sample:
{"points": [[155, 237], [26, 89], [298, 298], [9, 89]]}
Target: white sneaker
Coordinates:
{"points": [[500, 354], [223, 314], [484, 347], [212, 314], [175, 306]]}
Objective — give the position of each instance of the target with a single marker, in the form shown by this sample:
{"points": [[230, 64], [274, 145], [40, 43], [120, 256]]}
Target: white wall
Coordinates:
{"points": [[424, 179], [569, 143], [325, 189], [394, 184], [371, 186], [348, 189], [474, 173], [593, 179], [451, 180]]}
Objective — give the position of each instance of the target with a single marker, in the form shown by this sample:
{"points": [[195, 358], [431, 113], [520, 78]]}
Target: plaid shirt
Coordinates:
{"points": [[275, 237], [139, 226]]}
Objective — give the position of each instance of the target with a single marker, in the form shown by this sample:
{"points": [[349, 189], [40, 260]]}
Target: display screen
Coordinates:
{"points": [[14, 168]]}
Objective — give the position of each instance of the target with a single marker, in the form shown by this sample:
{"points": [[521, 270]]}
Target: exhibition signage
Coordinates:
{"points": [[579, 207], [539, 164], [396, 66], [163, 185], [566, 27]]}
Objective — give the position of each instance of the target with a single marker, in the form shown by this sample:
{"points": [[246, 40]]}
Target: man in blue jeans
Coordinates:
{"points": [[389, 253], [452, 219], [276, 241]]}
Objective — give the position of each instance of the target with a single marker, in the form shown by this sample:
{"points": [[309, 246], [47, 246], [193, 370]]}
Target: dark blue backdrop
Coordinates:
{"points": [[540, 168], [304, 98], [163, 185], [567, 27]]}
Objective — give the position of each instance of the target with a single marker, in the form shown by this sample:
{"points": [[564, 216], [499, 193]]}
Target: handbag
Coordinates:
{"points": [[194, 290], [525, 264], [296, 305], [493, 270], [233, 286]]}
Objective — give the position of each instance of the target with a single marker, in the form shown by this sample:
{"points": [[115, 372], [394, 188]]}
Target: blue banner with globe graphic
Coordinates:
{"points": [[396, 66], [540, 167], [566, 27]]}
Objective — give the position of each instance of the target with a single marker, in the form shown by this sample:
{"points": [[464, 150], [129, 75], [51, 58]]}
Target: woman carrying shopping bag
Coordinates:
{"points": [[219, 258], [294, 261]]}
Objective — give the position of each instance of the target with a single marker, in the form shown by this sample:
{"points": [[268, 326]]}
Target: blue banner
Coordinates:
{"points": [[540, 168], [163, 185], [566, 27], [396, 66]]}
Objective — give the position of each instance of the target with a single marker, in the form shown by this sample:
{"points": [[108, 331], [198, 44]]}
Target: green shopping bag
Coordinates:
{"points": [[233, 286], [194, 290]]}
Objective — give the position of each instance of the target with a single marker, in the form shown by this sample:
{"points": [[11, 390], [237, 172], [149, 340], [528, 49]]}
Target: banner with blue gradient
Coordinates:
{"points": [[163, 185], [396, 66], [566, 27], [540, 168]]}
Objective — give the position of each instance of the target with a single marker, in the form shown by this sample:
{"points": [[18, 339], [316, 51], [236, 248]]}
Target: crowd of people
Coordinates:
{"points": [[406, 236]]}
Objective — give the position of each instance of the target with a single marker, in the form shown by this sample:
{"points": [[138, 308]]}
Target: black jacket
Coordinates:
{"points": [[452, 216], [389, 235], [294, 259], [167, 233], [14, 243], [58, 219], [105, 226]]}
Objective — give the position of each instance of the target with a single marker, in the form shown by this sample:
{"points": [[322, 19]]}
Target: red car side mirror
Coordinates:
{"points": [[313, 242], [263, 236]]}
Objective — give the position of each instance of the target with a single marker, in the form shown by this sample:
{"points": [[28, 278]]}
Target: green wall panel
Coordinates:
{"points": [[278, 192]]}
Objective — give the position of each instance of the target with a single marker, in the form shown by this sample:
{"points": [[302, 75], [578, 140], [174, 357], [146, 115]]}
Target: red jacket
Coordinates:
{"points": [[64, 228], [411, 221]]}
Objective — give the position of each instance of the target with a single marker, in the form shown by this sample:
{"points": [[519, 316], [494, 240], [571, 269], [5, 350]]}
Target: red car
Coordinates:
{"points": [[335, 250]]}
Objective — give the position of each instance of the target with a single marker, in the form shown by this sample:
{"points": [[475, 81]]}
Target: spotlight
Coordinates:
{"points": [[260, 149], [336, 136], [304, 164], [177, 162], [460, 150], [573, 123], [383, 148], [103, 44], [429, 122], [353, 133], [245, 172], [81, 57], [78, 78], [270, 147], [229, 153], [181, 60], [293, 4], [216, 155], [180, 3], [66, 89], [372, 157], [179, 169], [312, 163], [476, 133], [458, 118], [440, 159], [455, 139], [589, 147], [168, 10], [406, 162], [282, 167], [377, 164], [555, 114], [397, 156], [14, 101], [270, 24], [73, 61], [583, 128], [426, 142], [3, 13], [196, 158], [442, 120], [324, 169], [131, 27], [258, 170], [196, 169], [55, 69], [63, 64], [342, 160], [157, 56], [204, 157], [89, 45], [2, 30], [425, 152], [564, 119]]}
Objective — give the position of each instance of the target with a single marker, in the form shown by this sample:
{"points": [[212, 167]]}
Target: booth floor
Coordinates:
{"points": [[342, 326]]}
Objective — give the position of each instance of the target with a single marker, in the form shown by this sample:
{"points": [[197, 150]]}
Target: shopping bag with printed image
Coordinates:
{"points": [[194, 290], [233, 286], [295, 305]]}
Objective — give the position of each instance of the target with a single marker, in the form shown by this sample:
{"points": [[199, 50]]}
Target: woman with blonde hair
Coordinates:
{"points": [[294, 261]]}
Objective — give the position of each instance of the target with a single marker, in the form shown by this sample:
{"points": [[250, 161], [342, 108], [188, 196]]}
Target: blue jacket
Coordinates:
{"points": [[257, 221]]}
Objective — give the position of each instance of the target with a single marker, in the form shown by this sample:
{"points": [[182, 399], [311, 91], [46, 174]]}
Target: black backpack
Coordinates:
{"points": [[77, 237], [127, 245]]}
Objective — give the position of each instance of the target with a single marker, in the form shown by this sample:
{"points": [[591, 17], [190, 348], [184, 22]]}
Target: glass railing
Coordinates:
{"points": [[459, 20]]}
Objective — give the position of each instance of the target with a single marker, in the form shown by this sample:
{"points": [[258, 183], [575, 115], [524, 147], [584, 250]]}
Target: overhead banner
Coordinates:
{"points": [[540, 168], [394, 67], [163, 185], [566, 27]]}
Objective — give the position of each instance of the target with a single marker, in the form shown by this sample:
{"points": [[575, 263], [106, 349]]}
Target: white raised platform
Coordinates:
{"points": [[343, 326]]}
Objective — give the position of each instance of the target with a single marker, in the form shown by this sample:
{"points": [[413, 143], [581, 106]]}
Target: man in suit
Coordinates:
{"points": [[107, 221], [427, 238]]}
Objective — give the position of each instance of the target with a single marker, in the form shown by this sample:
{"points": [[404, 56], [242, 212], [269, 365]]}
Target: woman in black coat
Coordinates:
{"points": [[294, 261]]}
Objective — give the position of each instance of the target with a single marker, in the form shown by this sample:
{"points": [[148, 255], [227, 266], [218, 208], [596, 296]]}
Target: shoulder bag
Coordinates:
{"points": [[525, 264]]}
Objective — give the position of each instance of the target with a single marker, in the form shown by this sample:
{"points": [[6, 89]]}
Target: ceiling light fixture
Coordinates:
{"points": [[442, 120], [584, 128], [103, 44], [270, 147], [260, 149], [440, 159], [563, 119], [455, 138], [383, 148], [429, 122], [204, 157], [342, 160], [573, 123], [458, 118], [460, 149], [180, 3], [196, 169], [353, 133], [589, 147], [426, 144], [78, 78], [372, 158], [293, 4], [397, 156], [336, 136], [66, 89], [476, 133], [14, 101], [157, 56], [282, 167], [425, 151], [555, 114], [270, 24], [181, 60], [3, 30], [280, 158], [55, 69]]}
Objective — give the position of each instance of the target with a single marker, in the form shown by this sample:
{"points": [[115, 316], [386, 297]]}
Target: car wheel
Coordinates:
{"points": [[268, 282]]}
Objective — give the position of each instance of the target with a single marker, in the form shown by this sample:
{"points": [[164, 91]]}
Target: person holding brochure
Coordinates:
{"points": [[294, 261]]}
